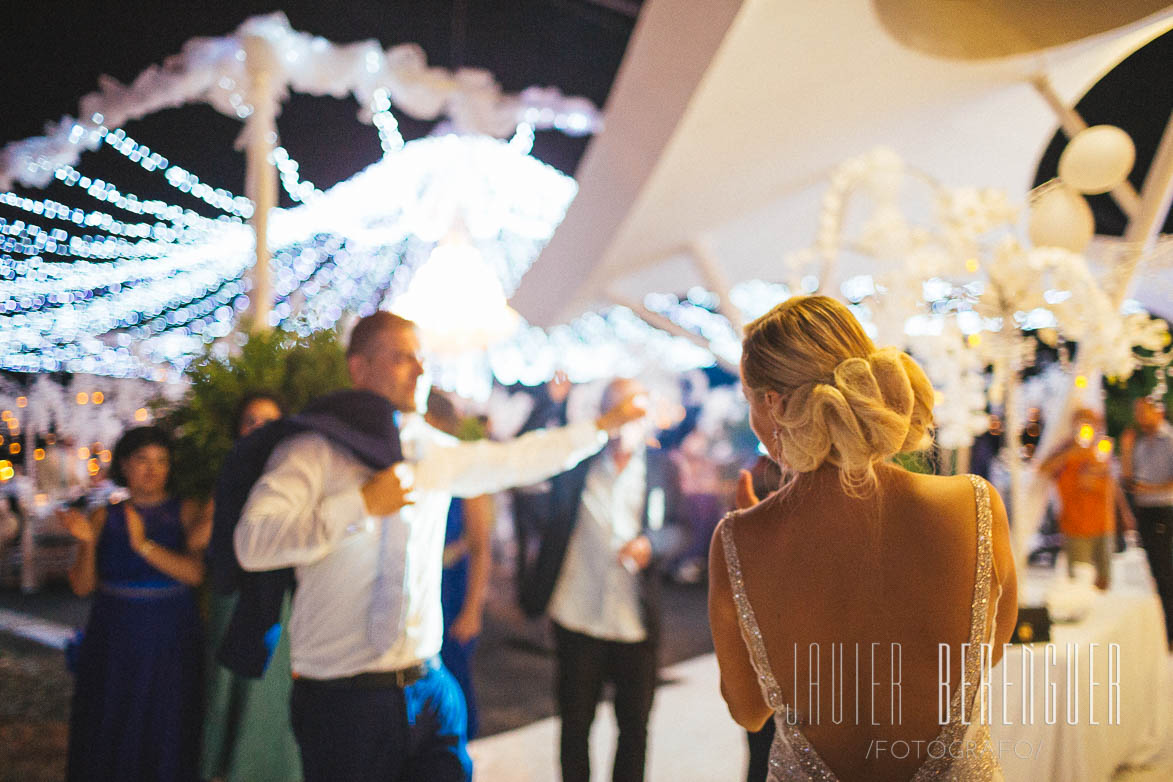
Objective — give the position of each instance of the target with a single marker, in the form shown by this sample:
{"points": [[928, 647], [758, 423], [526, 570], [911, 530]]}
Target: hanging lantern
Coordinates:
{"points": [[1061, 217], [457, 301], [1098, 159]]}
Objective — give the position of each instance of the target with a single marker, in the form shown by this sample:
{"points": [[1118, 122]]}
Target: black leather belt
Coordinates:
{"points": [[372, 680]]}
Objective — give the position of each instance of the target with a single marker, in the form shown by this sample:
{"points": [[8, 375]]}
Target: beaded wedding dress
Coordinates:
{"points": [[960, 751]]}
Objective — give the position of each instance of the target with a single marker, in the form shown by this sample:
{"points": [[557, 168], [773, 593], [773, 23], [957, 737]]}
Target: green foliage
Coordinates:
{"points": [[1119, 397], [296, 368], [472, 428], [915, 461]]}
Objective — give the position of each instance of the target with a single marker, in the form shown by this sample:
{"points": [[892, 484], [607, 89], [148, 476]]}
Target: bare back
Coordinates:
{"points": [[853, 597]]}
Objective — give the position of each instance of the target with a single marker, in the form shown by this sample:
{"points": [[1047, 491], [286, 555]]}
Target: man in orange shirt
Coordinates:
{"points": [[1088, 496]]}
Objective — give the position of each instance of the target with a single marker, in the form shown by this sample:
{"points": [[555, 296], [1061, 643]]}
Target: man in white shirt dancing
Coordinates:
{"points": [[370, 699], [617, 518]]}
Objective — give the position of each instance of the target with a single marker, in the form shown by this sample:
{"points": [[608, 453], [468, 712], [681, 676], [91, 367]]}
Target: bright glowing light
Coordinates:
{"points": [[6, 471], [457, 301], [97, 397], [14, 448], [22, 401], [1086, 433], [140, 414], [974, 340], [82, 398], [1104, 446], [83, 453], [39, 454], [1080, 381], [141, 313]]}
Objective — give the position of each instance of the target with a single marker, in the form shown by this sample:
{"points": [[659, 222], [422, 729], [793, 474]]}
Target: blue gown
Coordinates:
{"points": [[457, 656], [136, 702]]}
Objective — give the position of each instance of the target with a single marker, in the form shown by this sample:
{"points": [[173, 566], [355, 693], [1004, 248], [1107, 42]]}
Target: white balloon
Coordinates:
{"points": [[1061, 217], [1097, 159]]}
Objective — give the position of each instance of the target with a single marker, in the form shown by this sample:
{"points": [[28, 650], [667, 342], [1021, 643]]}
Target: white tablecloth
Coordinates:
{"points": [[1129, 615]]}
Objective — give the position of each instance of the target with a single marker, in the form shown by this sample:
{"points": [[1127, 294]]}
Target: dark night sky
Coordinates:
{"points": [[53, 53], [1137, 96]]}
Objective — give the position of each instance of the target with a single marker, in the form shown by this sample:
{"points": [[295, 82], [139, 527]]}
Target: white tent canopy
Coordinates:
{"points": [[727, 117]]}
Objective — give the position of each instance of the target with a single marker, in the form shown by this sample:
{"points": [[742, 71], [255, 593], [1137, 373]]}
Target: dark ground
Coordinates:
{"points": [[514, 671]]}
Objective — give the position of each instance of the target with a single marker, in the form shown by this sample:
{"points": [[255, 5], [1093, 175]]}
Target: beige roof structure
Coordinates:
{"points": [[727, 117]]}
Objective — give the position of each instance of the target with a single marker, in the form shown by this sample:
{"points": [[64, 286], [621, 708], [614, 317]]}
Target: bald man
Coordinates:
{"points": [[615, 518]]}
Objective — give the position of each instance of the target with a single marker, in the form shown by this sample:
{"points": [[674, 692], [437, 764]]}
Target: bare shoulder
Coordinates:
{"points": [[931, 512], [938, 492]]}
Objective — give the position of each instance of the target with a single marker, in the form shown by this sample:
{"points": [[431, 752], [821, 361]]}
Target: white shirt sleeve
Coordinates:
{"points": [[469, 469], [289, 519]]}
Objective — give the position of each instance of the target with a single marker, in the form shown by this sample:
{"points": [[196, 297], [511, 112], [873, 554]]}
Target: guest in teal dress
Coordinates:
{"points": [[136, 703], [247, 734]]}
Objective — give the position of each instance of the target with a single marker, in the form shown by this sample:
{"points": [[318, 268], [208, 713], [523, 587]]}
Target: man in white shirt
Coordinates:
{"points": [[370, 699], [616, 518], [1147, 460]]}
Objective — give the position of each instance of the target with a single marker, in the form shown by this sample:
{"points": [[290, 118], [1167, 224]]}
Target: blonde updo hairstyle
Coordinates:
{"points": [[842, 401]]}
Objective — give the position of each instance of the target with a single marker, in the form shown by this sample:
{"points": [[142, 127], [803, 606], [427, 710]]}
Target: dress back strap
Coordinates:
{"points": [[985, 562], [748, 620]]}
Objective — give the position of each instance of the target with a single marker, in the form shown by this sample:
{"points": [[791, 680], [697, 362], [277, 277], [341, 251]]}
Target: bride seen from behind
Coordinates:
{"points": [[855, 569]]}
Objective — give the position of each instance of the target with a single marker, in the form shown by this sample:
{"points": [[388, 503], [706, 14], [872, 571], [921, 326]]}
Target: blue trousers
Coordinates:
{"points": [[382, 734]]}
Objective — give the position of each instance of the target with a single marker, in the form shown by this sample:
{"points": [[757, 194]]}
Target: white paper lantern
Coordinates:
{"points": [[1097, 159], [1061, 217]]}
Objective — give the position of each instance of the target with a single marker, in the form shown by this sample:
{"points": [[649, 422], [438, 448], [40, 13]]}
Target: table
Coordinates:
{"points": [[1129, 616]]}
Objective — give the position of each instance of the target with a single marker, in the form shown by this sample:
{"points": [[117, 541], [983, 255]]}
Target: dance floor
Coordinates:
{"points": [[691, 736], [692, 739]]}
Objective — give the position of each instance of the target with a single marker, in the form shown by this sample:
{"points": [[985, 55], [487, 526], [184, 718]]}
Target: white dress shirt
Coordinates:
{"points": [[307, 512], [1152, 462], [595, 594]]}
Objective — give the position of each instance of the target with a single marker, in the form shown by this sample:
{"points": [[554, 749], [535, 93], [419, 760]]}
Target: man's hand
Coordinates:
{"points": [[637, 552], [385, 493], [630, 408], [746, 497]]}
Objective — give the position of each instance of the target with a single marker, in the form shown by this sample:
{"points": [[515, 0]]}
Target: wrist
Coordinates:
{"points": [[146, 547]]}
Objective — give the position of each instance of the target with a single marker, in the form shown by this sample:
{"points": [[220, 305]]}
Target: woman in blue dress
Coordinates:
{"points": [[467, 562], [136, 703]]}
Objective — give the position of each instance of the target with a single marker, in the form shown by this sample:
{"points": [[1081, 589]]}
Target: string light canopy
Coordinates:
{"points": [[154, 282]]}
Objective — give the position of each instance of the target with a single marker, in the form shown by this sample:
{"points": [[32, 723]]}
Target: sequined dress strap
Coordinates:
{"points": [[748, 621]]}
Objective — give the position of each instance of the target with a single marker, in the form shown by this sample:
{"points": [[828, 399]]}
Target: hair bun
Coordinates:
{"points": [[870, 410], [840, 399]]}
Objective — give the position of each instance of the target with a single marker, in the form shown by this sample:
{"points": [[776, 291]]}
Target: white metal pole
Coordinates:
{"points": [[260, 175]]}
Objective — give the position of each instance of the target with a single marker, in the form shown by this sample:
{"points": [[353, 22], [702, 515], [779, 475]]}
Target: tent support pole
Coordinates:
{"points": [[702, 255], [656, 320], [1124, 194], [1154, 209]]}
